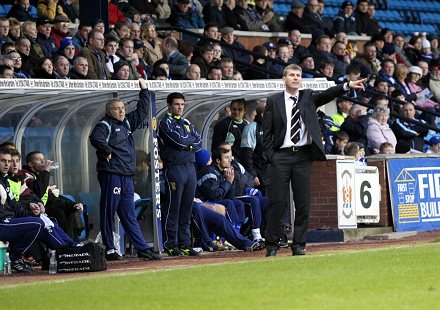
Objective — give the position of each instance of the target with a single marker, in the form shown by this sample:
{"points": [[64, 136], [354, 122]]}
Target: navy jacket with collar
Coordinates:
{"points": [[111, 136]]}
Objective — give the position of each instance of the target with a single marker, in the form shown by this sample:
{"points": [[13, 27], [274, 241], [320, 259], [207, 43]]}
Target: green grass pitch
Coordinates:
{"points": [[393, 278]]}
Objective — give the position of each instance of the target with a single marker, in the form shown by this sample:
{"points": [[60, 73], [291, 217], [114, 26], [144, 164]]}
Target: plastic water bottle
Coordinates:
{"points": [[7, 265], [53, 263]]}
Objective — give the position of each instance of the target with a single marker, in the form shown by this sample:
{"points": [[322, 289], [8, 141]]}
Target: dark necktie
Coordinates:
{"points": [[295, 125]]}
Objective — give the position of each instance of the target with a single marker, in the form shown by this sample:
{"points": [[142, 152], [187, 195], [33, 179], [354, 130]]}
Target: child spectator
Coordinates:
{"points": [[386, 148]]}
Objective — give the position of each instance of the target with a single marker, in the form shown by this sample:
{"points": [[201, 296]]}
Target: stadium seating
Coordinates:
{"points": [[405, 16]]}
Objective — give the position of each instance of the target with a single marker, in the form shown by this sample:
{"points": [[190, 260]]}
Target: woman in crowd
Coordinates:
{"points": [[151, 43], [44, 69], [413, 83], [378, 130]]}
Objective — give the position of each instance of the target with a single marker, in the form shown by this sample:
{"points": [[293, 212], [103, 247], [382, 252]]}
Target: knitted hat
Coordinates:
{"points": [[426, 43], [118, 65], [65, 43], [202, 157], [270, 46], [434, 140]]}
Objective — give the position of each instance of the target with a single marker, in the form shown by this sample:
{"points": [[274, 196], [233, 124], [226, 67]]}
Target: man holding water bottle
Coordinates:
{"points": [[36, 175]]}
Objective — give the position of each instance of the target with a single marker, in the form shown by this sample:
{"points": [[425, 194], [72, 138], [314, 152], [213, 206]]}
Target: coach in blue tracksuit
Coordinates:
{"points": [[178, 142], [113, 140]]}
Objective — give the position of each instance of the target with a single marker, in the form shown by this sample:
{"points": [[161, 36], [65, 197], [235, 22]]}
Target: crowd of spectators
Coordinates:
{"points": [[57, 45]]}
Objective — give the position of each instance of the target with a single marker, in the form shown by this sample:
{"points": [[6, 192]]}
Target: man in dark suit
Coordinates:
{"points": [[292, 140]]}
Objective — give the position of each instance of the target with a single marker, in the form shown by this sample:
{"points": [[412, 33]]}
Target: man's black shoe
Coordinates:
{"points": [[188, 250], [148, 254], [283, 244], [113, 256], [173, 251], [271, 253], [298, 251], [21, 267]]}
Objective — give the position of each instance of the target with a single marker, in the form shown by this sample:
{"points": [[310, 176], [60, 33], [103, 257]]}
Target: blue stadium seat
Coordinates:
{"points": [[4, 9], [33, 12]]}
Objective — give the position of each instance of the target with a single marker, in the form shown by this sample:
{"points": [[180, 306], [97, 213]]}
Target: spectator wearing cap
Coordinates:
{"points": [[307, 64], [121, 70], [80, 69], [298, 49], [248, 18], [434, 145], [313, 19], [44, 40], [434, 79], [268, 16], [277, 68], [426, 53], [365, 25], [49, 9], [271, 49], [415, 73], [60, 29], [95, 56], [258, 70], [323, 51], [152, 49], [182, 16], [176, 61], [213, 13], [20, 11], [286, 42], [235, 54], [294, 18], [125, 53], [142, 66], [67, 49], [345, 21], [80, 37]]}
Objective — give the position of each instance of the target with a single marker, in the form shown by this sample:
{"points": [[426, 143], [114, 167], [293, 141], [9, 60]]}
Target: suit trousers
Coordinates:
{"points": [[294, 167]]}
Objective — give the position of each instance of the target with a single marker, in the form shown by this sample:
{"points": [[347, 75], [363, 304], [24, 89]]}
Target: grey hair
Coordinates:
{"points": [[380, 109]]}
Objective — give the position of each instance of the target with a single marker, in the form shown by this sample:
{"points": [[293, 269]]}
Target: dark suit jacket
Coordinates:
{"points": [[274, 120]]}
